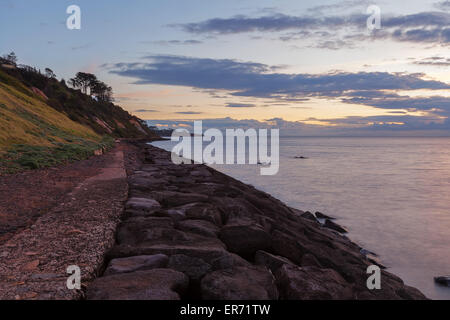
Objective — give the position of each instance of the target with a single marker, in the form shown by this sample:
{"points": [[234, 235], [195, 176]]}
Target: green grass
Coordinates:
{"points": [[25, 157]]}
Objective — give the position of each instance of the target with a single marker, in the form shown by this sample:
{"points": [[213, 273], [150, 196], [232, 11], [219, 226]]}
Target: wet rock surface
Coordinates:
{"points": [[224, 239]]}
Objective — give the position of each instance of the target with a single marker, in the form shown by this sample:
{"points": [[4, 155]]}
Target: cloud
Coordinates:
{"points": [[249, 79], [343, 5], [419, 27], [349, 126], [239, 105], [434, 61], [188, 112], [145, 110], [174, 42], [443, 5]]}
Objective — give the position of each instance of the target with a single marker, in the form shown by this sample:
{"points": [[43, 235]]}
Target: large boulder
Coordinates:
{"points": [[334, 226], [135, 230], [201, 227], [142, 205], [311, 283], [136, 263], [239, 283], [196, 211], [194, 268], [273, 262], [175, 199], [287, 246], [156, 284], [245, 239]]}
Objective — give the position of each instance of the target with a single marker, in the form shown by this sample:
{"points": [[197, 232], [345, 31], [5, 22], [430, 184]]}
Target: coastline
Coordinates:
{"points": [[191, 232]]}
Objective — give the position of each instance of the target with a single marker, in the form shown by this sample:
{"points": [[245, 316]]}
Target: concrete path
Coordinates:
{"points": [[78, 231]]}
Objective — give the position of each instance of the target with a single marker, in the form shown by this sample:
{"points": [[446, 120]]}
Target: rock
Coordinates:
{"points": [[286, 246], [135, 230], [320, 215], [197, 211], [228, 260], [156, 284], [142, 204], [201, 227], [443, 280], [271, 261], [201, 172], [245, 240], [308, 260], [308, 215], [311, 283], [331, 225], [209, 249], [194, 268], [146, 182], [175, 199], [239, 283], [136, 263]]}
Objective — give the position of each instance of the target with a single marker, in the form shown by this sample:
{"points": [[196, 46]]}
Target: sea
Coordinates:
{"points": [[391, 194]]}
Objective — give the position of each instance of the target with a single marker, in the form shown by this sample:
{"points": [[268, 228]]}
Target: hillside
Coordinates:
{"points": [[43, 122], [103, 117]]}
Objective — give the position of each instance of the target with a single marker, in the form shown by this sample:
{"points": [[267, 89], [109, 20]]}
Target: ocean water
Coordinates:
{"points": [[392, 194]]}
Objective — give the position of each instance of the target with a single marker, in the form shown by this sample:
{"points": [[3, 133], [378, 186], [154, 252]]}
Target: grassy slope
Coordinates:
{"points": [[34, 135], [103, 117]]}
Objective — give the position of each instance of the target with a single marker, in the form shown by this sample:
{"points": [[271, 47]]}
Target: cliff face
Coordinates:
{"points": [[191, 232]]}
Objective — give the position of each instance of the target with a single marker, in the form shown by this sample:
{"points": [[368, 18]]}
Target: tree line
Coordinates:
{"points": [[87, 82]]}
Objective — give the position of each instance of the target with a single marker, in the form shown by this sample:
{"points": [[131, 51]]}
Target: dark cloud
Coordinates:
{"points": [[372, 125], [249, 79], [392, 123], [420, 27], [434, 61], [239, 105], [434, 104], [443, 5], [188, 112], [145, 110]]}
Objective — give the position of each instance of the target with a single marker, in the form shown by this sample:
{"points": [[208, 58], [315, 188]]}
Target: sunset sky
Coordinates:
{"points": [[305, 66]]}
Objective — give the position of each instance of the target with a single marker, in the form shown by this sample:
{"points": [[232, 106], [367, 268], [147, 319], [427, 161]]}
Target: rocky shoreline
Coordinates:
{"points": [[190, 232]]}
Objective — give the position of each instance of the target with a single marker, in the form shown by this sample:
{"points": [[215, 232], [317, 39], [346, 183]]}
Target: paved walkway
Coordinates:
{"points": [[77, 231]]}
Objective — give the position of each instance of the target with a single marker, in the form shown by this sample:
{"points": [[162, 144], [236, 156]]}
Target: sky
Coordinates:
{"points": [[306, 67]]}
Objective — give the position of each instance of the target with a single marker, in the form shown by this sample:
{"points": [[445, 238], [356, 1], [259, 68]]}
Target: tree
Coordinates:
{"points": [[101, 91], [49, 73], [84, 81], [11, 58], [97, 88]]}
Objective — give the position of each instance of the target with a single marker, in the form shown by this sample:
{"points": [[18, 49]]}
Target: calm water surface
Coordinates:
{"points": [[392, 194]]}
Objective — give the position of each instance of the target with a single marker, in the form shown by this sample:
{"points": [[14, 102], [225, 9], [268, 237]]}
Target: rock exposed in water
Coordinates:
{"points": [[137, 263], [444, 280], [239, 283], [331, 225], [156, 284], [320, 215], [308, 215]]}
